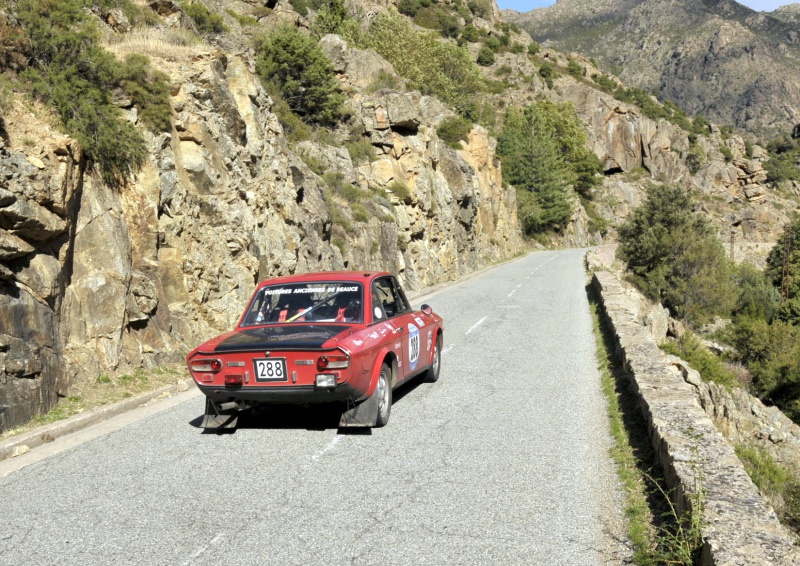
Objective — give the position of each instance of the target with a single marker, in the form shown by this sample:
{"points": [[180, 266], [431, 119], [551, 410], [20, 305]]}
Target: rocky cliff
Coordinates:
{"points": [[97, 280], [715, 57]]}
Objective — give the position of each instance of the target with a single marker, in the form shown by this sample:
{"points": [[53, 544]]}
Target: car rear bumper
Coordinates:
{"points": [[289, 394]]}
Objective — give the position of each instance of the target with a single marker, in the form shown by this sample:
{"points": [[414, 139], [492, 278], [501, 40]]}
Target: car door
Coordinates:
{"points": [[390, 304]]}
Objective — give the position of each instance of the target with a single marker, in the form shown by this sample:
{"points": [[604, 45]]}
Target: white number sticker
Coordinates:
{"points": [[270, 370], [413, 345]]}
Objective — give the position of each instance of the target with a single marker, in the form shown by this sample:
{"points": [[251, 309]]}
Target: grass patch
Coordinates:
{"points": [[104, 391]]}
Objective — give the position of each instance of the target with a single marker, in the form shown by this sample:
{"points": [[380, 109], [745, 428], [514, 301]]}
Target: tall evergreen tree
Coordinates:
{"points": [[533, 162]]}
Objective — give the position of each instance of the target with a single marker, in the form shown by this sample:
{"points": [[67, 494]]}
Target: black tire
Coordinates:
{"points": [[432, 375], [384, 392]]}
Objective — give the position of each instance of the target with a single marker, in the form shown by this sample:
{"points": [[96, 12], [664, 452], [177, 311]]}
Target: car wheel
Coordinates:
{"points": [[432, 374], [384, 393]]}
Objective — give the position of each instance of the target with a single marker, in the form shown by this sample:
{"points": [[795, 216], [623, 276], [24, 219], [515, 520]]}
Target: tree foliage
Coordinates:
{"points": [[532, 162], [294, 67], [675, 256]]}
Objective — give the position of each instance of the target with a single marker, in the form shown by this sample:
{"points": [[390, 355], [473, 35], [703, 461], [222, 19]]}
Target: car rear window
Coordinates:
{"points": [[306, 302]]}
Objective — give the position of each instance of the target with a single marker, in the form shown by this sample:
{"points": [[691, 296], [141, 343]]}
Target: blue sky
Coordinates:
{"points": [[526, 5]]}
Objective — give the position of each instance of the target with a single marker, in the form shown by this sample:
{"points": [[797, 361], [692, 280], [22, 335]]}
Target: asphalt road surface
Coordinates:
{"points": [[503, 461]]}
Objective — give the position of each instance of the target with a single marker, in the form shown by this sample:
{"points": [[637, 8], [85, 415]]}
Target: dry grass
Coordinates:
{"points": [[169, 44], [104, 391]]}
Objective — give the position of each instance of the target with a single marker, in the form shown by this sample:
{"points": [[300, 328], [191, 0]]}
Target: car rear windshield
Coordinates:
{"points": [[306, 302]]}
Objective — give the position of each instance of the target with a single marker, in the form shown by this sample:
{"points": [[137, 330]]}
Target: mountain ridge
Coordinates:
{"points": [[716, 57]]}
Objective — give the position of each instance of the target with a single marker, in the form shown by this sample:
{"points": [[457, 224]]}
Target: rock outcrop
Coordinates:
{"points": [[96, 280]]}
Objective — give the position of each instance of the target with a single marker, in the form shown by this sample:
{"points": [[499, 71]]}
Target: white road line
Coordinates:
{"points": [[520, 285], [512, 292], [476, 325], [450, 347], [328, 448]]}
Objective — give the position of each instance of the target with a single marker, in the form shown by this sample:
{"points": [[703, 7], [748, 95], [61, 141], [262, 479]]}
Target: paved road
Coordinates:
{"points": [[503, 461]]}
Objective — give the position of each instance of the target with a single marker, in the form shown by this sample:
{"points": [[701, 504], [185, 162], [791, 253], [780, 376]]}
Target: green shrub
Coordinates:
{"points": [[400, 190], [409, 7], [748, 149], [493, 43], [696, 157], [547, 72], [675, 257], [293, 66], [576, 69], [330, 16], [605, 82], [700, 358], [360, 212], [430, 64], [72, 73], [782, 167], [206, 22], [384, 80], [726, 153], [453, 130], [485, 57], [361, 150], [470, 33], [534, 48], [757, 297], [481, 8], [149, 90], [243, 19], [300, 6]]}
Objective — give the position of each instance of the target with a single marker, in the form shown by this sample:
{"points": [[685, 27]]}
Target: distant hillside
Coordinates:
{"points": [[718, 58]]}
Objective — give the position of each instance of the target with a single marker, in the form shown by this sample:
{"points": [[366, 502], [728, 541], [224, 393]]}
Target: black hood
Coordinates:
{"points": [[280, 337]]}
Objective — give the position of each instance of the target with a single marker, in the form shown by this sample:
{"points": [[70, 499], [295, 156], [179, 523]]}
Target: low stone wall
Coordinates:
{"points": [[739, 527]]}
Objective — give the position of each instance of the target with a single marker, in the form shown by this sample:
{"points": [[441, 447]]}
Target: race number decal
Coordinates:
{"points": [[413, 346]]}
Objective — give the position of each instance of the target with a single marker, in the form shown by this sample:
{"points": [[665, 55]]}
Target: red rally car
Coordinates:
{"points": [[347, 336]]}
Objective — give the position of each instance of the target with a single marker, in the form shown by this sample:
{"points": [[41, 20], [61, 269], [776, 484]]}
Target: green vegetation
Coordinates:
{"points": [[68, 70], [700, 358], [431, 65], [548, 73], [543, 150], [243, 19], [778, 483], [675, 257], [784, 159], [453, 130], [206, 22], [485, 57], [575, 69], [294, 68]]}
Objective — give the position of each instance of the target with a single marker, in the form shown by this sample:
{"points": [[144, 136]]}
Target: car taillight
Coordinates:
{"points": [[206, 366], [332, 362], [235, 380]]}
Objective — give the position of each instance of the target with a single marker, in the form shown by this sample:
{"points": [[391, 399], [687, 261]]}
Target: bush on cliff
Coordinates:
{"points": [[72, 73], [431, 65], [293, 67], [675, 257]]}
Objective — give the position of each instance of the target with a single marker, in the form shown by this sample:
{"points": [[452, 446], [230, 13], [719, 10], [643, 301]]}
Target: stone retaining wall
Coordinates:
{"points": [[739, 527]]}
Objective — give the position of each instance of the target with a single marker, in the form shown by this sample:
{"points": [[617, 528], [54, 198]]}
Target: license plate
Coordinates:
{"points": [[273, 369]]}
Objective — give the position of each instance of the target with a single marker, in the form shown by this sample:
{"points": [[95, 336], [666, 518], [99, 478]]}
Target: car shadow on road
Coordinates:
{"points": [[309, 417]]}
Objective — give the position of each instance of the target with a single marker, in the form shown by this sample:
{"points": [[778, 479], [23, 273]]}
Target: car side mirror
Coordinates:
{"points": [[427, 309]]}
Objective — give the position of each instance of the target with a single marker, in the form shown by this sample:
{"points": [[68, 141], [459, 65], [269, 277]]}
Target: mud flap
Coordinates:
{"points": [[215, 419], [364, 414]]}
